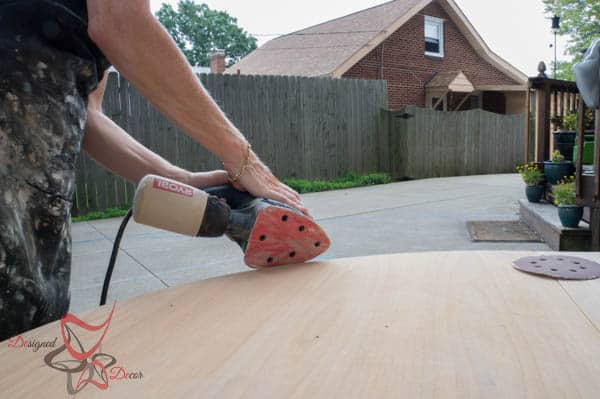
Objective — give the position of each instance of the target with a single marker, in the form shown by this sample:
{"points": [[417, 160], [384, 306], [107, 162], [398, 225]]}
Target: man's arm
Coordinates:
{"points": [[141, 49], [116, 150]]}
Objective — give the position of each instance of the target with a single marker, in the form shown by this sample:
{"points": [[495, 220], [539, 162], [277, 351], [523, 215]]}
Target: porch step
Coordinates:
{"points": [[543, 219]]}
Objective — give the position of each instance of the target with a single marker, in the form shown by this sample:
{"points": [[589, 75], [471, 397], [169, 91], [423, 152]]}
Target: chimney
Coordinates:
{"points": [[217, 61]]}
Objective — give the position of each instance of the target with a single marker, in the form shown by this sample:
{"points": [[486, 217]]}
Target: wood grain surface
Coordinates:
{"points": [[428, 325]]}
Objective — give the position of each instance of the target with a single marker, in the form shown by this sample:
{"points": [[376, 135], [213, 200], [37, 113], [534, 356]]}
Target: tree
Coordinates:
{"points": [[198, 31], [564, 69], [580, 19]]}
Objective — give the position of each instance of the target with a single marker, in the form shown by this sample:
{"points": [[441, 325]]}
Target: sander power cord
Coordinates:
{"points": [[113, 257]]}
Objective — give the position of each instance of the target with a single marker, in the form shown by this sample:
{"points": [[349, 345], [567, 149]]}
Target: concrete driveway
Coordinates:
{"points": [[420, 215]]}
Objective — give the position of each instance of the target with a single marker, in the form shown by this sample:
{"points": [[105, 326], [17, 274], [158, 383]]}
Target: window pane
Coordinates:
{"points": [[432, 45], [432, 31], [434, 36]]}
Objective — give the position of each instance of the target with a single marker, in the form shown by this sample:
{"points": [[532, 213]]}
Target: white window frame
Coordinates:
{"points": [[440, 23]]}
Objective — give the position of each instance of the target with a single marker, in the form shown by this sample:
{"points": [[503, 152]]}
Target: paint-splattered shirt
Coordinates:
{"points": [[48, 67], [61, 23]]}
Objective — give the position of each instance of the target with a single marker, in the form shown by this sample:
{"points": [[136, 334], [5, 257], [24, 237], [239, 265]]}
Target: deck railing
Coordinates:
{"points": [[549, 98]]}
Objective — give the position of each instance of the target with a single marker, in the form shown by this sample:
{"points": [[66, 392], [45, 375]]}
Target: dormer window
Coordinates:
{"points": [[434, 36]]}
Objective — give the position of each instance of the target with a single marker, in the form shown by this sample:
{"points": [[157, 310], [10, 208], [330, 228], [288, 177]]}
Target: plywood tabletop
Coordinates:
{"points": [[427, 325]]}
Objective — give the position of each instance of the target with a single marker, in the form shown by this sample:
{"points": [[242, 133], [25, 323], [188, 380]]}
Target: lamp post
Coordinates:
{"points": [[555, 29]]}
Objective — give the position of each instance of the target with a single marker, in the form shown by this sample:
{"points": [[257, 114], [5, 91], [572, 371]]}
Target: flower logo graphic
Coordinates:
{"points": [[82, 366]]}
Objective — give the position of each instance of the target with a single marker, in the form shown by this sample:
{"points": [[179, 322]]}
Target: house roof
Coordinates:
{"points": [[320, 49], [333, 47]]}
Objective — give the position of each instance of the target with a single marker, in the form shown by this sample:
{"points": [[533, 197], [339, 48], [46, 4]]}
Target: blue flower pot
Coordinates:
{"points": [[534, 193], [570, 215], [555, 171]]}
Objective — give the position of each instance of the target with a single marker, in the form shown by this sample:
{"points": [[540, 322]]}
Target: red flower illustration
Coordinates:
{"points": [[69, 318], [90, 366]]}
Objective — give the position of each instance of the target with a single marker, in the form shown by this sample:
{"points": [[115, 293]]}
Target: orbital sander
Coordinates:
{"points": [[269, 233]]}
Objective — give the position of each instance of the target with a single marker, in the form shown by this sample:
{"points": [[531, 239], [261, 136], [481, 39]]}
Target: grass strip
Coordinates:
{"points": [[349, 181], [106, 214], [302, 186]]}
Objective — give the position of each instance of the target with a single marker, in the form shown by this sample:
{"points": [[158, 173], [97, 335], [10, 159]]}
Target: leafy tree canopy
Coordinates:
{"points": [[580, 20], [198, 31]]}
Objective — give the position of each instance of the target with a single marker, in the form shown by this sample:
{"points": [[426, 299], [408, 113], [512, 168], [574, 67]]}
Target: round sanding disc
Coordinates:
{"points": [[558, 266]]}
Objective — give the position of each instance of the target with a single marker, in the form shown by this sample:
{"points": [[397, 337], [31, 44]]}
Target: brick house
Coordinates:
{"points": [[427, 51]]}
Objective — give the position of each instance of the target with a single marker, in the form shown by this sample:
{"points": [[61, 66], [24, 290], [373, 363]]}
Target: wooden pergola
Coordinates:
{"points": [[443, 84]]}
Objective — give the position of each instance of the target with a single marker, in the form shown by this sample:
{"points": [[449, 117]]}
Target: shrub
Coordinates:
{"points": [[564, 191], [531, 174], [569, 121], [557, 156]]}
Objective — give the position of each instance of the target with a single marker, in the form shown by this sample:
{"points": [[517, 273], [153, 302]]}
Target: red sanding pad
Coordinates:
{"points": [[282, 237]]}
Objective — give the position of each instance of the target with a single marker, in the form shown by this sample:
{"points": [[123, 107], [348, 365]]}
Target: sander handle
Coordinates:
{"points": [[235, 199]]}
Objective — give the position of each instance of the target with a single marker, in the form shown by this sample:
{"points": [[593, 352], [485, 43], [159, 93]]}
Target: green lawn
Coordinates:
{"points": [[109, 213], [302, 186], [348, 181]]}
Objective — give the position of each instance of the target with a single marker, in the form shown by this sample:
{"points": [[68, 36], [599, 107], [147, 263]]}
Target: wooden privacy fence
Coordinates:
{"points": [[427, 143], [311, 128]]}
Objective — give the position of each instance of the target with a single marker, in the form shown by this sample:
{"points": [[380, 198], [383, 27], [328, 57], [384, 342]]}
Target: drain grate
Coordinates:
{"points": [[558, 266], [500, 231]]}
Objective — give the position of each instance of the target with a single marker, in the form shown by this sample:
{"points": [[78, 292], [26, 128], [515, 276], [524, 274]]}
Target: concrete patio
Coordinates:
{"points": [[412, 216]]}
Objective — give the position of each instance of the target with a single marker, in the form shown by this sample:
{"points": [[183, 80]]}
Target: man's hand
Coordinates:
{"points": [[258, 180]]}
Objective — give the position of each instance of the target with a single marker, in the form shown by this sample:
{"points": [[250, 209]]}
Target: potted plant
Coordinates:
{"points": [[564, 135], [557, 168], [564, 197], [534, 181], [570, 124]]}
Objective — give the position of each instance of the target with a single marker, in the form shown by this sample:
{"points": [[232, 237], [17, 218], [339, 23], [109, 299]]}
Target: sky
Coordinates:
{"points": [[516, 30]]}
